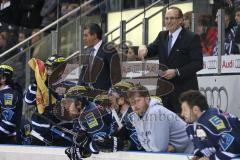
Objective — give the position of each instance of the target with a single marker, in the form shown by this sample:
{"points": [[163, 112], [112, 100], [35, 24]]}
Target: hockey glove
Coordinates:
{"points": [[82, 139], [77, 153], [111, 144]]}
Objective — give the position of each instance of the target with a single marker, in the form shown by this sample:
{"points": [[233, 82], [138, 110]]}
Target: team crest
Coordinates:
{"points": [[7, 114]]}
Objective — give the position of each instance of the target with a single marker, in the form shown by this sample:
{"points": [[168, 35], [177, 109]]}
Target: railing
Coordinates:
{"points": [[142, 22], [52, 25]]}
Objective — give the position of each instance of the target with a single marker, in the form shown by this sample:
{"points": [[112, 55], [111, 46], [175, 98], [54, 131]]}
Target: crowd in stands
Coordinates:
{"points": [[32, 16], [206, 27]]}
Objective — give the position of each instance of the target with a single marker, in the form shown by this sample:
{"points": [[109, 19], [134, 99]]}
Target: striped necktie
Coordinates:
{"points": [[91, 58], [169, 43]]}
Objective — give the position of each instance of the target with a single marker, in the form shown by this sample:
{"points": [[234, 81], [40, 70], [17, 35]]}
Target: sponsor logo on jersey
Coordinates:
{"points": [[217, 122], [8, 99], [91, 120]]}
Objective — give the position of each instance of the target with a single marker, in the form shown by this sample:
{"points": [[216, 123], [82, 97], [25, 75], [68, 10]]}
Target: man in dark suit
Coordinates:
{"points": [[102, 63], [180, 50]]}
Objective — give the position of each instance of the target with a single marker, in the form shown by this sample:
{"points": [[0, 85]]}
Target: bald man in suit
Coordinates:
{"points": [[180, 50]]}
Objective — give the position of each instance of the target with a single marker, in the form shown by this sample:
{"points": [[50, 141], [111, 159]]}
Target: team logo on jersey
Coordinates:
{"points": [[217, 122], [91, 120], [8, 99], [7, 114], [226, 140]]}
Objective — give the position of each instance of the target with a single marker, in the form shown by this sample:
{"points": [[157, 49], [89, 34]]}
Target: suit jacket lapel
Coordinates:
{"points": [[165, 46]]}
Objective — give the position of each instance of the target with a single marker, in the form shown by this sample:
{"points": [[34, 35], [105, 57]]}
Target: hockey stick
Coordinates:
{"points": [[55, 128], [38, 136]]}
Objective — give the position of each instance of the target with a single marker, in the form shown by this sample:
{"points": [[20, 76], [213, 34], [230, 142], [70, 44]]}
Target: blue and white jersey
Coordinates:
{"points": [[30, 94], [96, 120], [128, 131], [39, 124], [60, 89], [216, 135], [11, 107]]}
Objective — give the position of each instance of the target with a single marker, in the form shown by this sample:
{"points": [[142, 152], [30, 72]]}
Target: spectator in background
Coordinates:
{"points": [[49, 12], [9, 12], [226, 4], [68, 7], [237, 18], [3, 42], [187, 20], [230, 46], [208, 34], [22, 35], [132, 53], [40, 48], [20, 58], [30, 13]]}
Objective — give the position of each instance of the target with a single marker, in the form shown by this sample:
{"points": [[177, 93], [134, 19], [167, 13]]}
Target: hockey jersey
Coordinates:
{"points": [[96, 120], [216, 135], [128, 131], [39, 124], [11, 107]]}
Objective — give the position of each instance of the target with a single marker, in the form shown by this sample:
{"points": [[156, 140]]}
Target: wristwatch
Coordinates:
{"points": [[177, 72]]}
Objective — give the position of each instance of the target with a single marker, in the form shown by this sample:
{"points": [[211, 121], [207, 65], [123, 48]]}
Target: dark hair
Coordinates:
{"points": [[228, 12], [237, 9], [194, 98], [180, 14], [94, 29], [188, 15], [205, 20], [138, 90]]}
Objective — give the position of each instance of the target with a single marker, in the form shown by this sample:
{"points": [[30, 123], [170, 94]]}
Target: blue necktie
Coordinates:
{"points": [[91, 59], [169, 43]]}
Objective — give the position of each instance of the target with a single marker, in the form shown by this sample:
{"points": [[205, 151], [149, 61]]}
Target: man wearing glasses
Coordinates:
{"points": [[180, 50]]}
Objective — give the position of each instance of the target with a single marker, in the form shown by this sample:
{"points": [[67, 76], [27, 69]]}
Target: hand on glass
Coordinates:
{"points": [[142, 51]]}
